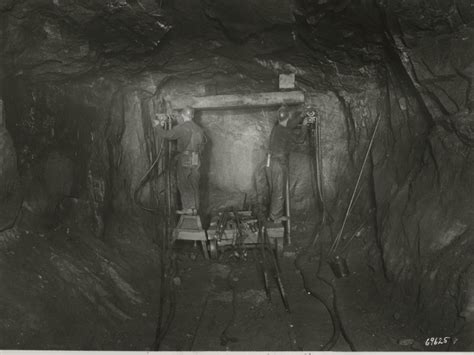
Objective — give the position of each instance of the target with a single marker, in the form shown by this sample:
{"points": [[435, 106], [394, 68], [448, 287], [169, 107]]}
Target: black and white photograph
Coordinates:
{"points": [[237, 175]]}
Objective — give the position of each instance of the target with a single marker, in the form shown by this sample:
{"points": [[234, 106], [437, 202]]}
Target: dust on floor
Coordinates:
{"points": [[66, 291]]}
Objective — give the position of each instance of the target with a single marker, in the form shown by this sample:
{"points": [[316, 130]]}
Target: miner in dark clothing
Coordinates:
{"points": [[276, 166], [190, 142]]}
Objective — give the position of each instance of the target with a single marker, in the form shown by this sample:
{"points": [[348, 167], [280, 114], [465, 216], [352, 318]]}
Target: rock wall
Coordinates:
{"points": [[58, 134], [55, 39], [103, 109], [417, 181], [422, 167], [102, 126], [10, 188]]}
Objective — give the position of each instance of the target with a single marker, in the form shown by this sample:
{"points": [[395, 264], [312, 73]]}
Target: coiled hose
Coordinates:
{"points": [[163, 326], [335, 324], [338, 328]]}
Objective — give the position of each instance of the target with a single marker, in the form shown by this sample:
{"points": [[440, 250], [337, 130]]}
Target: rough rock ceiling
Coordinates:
{"points": [[241, 19], [71, 37], [113, 24], [42, 35]]}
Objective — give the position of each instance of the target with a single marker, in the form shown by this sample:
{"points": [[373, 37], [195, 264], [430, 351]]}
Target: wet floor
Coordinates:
{"points": [[223, 305]]}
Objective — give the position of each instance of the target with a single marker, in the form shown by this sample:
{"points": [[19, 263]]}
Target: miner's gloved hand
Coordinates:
{"points": [[155, 123], [309, 120], [160, 120], [310, 117]]}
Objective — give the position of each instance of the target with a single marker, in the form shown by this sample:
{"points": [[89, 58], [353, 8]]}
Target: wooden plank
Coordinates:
{"points": [[262, 99]]}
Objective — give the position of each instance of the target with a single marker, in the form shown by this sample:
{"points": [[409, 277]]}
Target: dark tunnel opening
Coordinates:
{"points": [[352, 232]]}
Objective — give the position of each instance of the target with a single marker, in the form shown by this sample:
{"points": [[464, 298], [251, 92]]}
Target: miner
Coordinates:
{"points": [[276, 164], [190, 143]]}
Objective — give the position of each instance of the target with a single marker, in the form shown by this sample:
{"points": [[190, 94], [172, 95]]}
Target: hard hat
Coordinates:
{"points": [[283, 113], [188, 112]]}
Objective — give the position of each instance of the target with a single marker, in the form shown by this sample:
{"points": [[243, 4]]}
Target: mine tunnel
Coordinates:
{"points": [[239, 175]]}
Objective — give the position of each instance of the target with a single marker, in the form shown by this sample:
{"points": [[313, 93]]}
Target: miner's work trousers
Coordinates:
{"points": [[276, 175], [188, 183]]}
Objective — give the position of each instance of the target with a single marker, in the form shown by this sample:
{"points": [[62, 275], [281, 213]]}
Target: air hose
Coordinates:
{"points": [[144, 180], [332, 309], [161, 328], [338, 316], [335, 324], [316, 164], [167, 268], [167, 275], [225, 338], [334, 313]]}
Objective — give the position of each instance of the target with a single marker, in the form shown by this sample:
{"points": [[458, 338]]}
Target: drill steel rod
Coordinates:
{"points": [[168, 177], [199, 321], [287, 205], [349, 206], [320, 167], [261, 240], [277, 271]]}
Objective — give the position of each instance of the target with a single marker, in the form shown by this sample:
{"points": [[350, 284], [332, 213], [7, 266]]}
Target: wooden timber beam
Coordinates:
{"points": [[239, 100]]}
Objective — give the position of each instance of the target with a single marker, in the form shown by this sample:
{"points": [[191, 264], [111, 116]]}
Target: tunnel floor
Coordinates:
{"points": [[228, 295], [62, 290]]}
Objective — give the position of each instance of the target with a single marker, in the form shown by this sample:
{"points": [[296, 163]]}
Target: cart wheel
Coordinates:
{"points": [[213, 249]]}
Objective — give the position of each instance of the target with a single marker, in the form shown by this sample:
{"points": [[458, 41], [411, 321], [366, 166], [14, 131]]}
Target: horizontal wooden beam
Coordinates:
{"points": [[262, 99]]}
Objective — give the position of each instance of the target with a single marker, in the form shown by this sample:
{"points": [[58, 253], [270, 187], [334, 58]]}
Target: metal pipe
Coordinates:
{"points": [[262, 260], [168, 178], [320, 166], [277, 270], [287, 203]]}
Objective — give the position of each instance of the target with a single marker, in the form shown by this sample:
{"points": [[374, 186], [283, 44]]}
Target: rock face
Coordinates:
{"points": [[10, 187], [424, 207], [240, 19], [57, 155], [53, 39], [103, 124]]}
